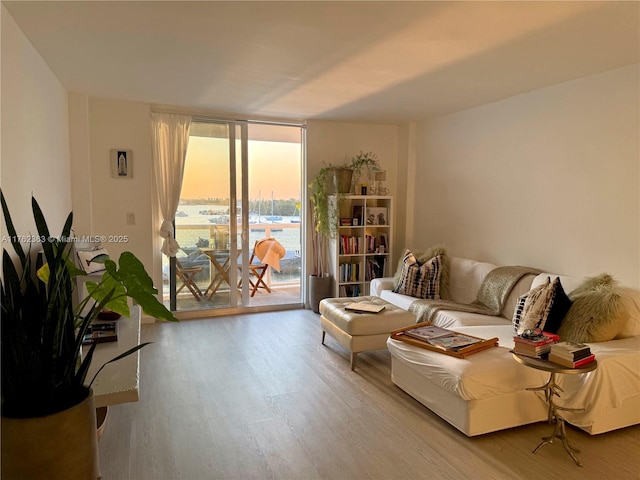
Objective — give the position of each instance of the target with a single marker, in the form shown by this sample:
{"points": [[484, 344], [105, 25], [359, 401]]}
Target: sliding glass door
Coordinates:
{"points": [[242, 185]]}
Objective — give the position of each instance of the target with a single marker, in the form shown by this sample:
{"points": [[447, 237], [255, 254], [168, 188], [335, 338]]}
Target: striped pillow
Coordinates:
{"points": [[420, 280], [534, 306]]}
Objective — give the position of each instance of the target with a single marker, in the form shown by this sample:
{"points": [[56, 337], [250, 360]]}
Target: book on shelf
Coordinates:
{"points": [[571, 363], [349, 245], [349, 272], [571, 351], [370, 242], [349, 290], [101, 332]]}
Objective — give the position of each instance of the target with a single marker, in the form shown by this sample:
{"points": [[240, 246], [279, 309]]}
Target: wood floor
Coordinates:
{"points": [[258, 396]]}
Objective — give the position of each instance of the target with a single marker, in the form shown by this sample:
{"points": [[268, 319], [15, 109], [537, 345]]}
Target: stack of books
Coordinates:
{"points": [[536, 346], [571, 354], [101, 332]]}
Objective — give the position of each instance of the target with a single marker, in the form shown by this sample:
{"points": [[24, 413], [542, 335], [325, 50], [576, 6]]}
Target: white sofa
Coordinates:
{"points": [[486, 391]]}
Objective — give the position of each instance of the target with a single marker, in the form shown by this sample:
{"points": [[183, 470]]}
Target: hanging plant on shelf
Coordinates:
{"points": [[361, 163]]}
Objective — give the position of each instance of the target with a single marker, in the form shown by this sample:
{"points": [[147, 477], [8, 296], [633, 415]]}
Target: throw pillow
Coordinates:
{"points": [[420, 280], [533, 308], [92, 261], [545, 310], [517, 313], [597, 312], [560, 305], [422, 256], [631, 307], [590, 284]]}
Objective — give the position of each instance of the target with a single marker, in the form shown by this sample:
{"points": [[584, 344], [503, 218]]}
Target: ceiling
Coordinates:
{"points": [[384, 62]]}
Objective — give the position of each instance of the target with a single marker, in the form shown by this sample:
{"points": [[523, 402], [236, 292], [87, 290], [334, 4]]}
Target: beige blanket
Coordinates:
{"points": [[492, 295]]}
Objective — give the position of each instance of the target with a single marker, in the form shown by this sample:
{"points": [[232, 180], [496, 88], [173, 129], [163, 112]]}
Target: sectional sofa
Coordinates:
{"points": [[486, 391]]}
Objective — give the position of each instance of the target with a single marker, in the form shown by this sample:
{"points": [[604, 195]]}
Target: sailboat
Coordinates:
{"points": [[296, 214], [272, 217]]}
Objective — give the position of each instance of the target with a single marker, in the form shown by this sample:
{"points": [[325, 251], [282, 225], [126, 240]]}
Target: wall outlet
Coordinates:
{"points": [[131, 218]]}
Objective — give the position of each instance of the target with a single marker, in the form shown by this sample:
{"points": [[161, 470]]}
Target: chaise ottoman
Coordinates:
{"points": [[360, 332]]}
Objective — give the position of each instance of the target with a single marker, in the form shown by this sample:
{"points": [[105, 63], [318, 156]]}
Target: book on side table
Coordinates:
{"points": [[535, 346], [570, 354], [442, 340]]}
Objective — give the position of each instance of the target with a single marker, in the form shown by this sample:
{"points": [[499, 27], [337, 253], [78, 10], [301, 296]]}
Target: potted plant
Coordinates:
{"points": [[48, 413], [323, 228], [364, 161]]}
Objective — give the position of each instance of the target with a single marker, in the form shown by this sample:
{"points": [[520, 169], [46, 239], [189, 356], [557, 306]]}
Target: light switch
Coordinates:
{"points": [[131, 218]]}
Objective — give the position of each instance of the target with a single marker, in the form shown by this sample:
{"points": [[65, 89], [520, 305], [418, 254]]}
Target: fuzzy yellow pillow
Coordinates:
{"points": [[597, 312]]}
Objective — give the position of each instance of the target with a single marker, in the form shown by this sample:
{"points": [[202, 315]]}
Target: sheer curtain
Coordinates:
{"points": [[170, 138]]}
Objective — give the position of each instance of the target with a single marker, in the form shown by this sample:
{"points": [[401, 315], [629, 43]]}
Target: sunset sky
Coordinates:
{"points": [[273, 166]]}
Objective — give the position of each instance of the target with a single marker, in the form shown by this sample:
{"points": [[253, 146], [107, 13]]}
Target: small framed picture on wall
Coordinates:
{"points": [[121, 163]]}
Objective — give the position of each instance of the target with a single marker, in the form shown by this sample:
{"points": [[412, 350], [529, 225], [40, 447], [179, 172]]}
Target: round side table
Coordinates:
{"points": [[550, 389]]}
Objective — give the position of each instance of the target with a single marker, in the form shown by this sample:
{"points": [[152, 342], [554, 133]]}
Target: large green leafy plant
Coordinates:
{"points": [[42, 330]]}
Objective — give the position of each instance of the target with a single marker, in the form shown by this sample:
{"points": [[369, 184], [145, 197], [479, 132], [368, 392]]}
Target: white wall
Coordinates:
{"points": [[35, 134], [329, 143], [117, 124], [549, 179]]}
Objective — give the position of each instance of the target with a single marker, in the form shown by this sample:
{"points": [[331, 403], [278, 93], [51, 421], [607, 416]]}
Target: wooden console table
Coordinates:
{"points": [[118, 382]]}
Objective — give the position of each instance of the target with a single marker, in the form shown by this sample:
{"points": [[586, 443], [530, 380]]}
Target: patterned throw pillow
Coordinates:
{"points": [[420, 280], [92, 261], [543, 307], [423, 256]]}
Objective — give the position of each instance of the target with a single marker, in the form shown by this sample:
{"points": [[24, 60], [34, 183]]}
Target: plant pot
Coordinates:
{"points": [[339, 180], [319, 288], [62, 445], [101, 419]]}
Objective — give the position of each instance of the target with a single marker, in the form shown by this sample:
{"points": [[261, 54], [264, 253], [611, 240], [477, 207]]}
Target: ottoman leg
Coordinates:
{"points": [[354, 356], [323, 334]]}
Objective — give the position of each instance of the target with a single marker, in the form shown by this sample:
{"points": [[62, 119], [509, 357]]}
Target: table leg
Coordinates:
{"points": [[220, 274], [550, 389]]}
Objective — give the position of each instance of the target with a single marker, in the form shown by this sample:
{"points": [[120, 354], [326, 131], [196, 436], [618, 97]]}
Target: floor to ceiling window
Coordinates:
{"points": [[242, 184]]}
